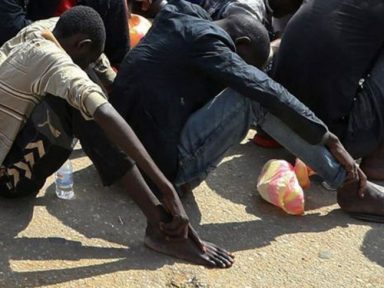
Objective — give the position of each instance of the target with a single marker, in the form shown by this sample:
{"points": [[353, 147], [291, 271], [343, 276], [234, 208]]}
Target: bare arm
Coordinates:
{"points": [[120, 133]]}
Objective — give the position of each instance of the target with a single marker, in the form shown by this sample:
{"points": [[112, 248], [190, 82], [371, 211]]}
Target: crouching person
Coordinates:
{"points": [[45, 99]]}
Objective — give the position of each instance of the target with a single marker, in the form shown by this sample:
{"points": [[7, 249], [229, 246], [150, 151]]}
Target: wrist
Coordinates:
{"points": [[166, 188], [160, 215], [329, 139]]}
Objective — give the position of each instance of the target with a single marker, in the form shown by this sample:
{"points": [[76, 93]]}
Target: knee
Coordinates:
{"points": [[22, 190]]}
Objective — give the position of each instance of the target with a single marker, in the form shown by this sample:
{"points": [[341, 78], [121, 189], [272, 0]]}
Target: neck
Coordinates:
{"points": [[222, 24], [227, 27], [61, 41]]}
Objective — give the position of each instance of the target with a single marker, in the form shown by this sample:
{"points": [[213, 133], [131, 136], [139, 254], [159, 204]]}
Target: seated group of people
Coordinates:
{"points": [[188, 92]]}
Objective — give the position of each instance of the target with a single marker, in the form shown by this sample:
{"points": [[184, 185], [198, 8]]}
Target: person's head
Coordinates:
{"points": [[81, 33], [282, 8], [250, 37]]}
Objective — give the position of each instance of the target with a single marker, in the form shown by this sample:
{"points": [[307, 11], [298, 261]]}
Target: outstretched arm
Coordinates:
{"points": [[214, 57], [120, 133], [168, 230], [88, 97], [170, 234]]}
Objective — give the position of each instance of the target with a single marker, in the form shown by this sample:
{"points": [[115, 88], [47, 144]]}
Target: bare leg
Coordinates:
{"points": [[373, 164], [187, 249]]}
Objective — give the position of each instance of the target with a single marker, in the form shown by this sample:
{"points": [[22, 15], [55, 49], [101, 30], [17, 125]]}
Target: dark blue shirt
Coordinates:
{"points": [[183, 62], [327, 48], [13, 18]]}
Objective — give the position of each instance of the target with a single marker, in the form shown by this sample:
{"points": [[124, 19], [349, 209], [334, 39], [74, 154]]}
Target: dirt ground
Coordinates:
{"points": [[96, 239]]}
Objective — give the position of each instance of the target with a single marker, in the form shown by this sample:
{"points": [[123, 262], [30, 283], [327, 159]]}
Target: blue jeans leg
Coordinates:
{"points": [[317, 157], [224, 122], [209, 133]]}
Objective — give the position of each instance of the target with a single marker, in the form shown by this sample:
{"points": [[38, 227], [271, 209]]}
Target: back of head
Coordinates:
{"points": [[82, 20], [244, 26]]}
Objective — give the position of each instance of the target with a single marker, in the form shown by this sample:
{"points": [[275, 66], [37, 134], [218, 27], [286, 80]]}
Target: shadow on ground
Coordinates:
{"points": [[97, 212], [108, 214]]}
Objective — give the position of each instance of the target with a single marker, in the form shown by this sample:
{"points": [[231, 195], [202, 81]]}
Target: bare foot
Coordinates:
{"points": [[369, 208], [373, 168], [187, 249], [373, 164]]}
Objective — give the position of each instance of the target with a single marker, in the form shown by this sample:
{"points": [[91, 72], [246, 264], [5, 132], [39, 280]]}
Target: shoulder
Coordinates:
{"points": [[184, 8], [46, 24], [34, 30], [210, 33], [42, 54]]}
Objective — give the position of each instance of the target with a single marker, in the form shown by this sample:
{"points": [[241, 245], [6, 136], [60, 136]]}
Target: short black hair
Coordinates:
{"points": [[244, 24], [84, 20]]}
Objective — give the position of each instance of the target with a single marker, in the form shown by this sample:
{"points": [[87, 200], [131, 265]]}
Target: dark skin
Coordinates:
{"points": [[354, 173], [373, 164], [244, 48], [356, 180], [356, 194], [169, 230]]}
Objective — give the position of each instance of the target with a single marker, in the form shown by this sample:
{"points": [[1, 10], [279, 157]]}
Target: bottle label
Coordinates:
{"points": [[64, 179]]}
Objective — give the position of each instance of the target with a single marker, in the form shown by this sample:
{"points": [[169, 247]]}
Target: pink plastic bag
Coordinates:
{"points": [[282, 185]]}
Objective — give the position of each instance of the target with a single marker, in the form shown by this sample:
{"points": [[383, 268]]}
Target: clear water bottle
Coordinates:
{"points": [[64, 181]]}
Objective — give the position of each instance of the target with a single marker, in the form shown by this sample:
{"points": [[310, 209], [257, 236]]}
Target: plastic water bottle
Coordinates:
{"points": [[64, 181]]}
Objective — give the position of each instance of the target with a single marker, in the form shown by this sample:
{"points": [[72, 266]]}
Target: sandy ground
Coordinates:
{"points": [[96, 239]]}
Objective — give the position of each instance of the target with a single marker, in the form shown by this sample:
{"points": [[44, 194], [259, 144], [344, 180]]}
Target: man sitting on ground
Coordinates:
{"points": [[273, 14], [16, 14], [45, 99], [332, 59], [170, 89]]}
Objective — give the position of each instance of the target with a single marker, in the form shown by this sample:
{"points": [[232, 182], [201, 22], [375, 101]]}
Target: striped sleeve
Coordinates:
{"points": [[62, 78]]}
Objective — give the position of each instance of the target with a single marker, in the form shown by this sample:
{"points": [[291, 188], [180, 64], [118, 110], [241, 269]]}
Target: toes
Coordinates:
{"points": [[226, 261], [221, 260], [209, 262], [226, 256], [218, 248], [223, 256], [224, 253], [217, 261]]}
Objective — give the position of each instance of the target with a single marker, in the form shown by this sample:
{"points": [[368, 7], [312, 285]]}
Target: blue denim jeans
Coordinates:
{"points": [[224, 122]]}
